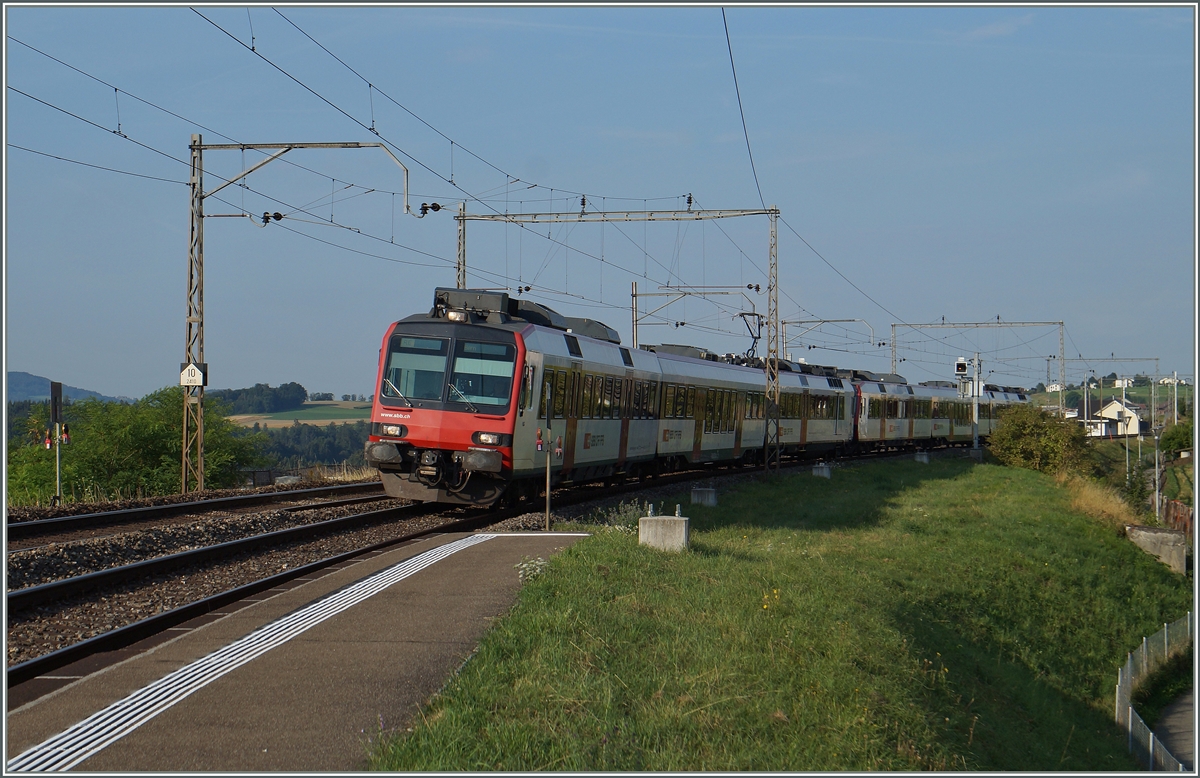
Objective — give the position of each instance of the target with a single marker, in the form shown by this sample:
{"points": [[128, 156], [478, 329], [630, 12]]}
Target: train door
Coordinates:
{"points": [[574, 386], [858, 412], [527, 423]]}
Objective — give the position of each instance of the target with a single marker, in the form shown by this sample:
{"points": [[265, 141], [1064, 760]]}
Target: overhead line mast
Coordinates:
{"points": [[193, 376]]}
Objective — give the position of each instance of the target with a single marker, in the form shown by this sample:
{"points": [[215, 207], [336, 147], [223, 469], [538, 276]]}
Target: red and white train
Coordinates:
{"points": [[472, 397]]}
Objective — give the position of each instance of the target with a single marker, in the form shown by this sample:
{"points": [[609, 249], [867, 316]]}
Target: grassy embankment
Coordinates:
{"points": [[899, 616]]}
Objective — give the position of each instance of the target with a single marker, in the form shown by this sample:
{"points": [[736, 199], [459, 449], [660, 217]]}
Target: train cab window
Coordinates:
{"points": [[483, 373], [573, 346], [669, 404], [626, 357], [526, 388], [416, 369]]}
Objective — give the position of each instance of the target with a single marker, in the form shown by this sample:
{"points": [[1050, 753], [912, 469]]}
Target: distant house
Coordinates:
{"points": [[1123, 383], [1123, 418], [1099, 428], [1172, 381], [1055, 388]]}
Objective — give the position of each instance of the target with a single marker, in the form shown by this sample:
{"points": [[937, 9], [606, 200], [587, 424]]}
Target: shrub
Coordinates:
{"points": [[1029, 437], [127, 450], [1176, 438]]}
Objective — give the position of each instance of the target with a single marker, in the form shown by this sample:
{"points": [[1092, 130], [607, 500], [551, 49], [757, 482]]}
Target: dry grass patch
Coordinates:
{"points": [[1098, 501]]}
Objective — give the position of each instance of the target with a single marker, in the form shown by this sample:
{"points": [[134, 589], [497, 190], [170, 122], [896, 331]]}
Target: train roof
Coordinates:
{"points": [[548, 331]]}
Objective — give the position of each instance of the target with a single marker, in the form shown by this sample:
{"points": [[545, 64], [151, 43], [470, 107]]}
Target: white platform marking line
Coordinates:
{"points": [[105, 727]]}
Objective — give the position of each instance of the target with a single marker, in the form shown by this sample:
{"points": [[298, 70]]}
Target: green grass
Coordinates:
{"points": [[897, 617]]}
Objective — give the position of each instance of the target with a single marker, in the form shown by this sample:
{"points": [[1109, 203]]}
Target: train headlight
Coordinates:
{"points": [[394, 430], [459, 316], [491, 439]]}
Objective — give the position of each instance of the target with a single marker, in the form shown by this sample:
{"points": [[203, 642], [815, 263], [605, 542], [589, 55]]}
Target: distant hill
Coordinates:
{"points": [[26, 386]]}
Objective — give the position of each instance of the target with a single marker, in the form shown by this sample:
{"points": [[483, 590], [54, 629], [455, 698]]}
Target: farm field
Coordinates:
{"points": [[899, 616], [315, 413]]}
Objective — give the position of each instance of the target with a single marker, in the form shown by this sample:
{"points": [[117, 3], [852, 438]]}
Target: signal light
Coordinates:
{"points": [[960, 367], [47, 438], [66, 435]]}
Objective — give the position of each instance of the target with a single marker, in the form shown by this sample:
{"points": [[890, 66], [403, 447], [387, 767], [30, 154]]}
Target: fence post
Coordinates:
{"points": [[1129, 727], [1151, 749], [1166, 642], [1145, 658]]}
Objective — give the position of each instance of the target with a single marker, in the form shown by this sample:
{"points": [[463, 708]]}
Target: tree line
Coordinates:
{"points": [[126, 450], [261, 398]]}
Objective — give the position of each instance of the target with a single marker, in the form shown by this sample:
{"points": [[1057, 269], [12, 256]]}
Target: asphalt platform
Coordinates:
{"points": [[1176, 729], [301, 678]]}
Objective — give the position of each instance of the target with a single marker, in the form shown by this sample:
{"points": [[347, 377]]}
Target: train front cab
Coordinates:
{"points": [[444, 411]]}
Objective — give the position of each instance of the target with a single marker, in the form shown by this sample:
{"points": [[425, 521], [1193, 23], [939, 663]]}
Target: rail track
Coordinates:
{"points": [[96, 591]]}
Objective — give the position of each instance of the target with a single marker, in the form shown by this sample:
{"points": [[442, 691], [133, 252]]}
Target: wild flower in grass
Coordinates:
{"points": [[528, 569], [770, 599]]}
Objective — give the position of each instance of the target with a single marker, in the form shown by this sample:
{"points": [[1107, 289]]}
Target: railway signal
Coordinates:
{"points": [[58, 435]]}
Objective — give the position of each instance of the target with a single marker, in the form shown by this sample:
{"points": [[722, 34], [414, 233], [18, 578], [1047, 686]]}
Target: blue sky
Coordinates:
{"points": [[1027, 163]]}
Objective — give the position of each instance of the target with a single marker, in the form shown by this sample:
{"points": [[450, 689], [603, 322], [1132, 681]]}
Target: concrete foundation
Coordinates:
{"points": [[822, 471], [667, 533], [977, 454], [1169, 545], [923, 456], [703, 495]]}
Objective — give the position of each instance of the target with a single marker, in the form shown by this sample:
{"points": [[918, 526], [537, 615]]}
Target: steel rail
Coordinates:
{"points": [[31, 529]]}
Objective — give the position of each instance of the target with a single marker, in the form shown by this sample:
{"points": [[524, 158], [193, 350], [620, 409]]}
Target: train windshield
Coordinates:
{"points": [[416, 369], [483, 373]]}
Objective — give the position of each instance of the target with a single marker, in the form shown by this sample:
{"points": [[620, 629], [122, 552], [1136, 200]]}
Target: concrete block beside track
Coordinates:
{"points": [[667, 533]]}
